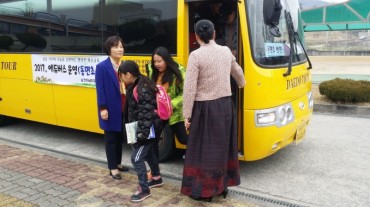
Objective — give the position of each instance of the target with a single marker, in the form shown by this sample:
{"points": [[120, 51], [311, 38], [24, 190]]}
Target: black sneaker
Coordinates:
{"points": [[155, 183], [140, 195]]}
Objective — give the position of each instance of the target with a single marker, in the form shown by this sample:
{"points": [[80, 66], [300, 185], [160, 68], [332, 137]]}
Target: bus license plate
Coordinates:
{"points": [[301, 131]]}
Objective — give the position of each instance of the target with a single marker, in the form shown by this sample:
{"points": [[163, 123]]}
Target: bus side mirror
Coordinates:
{"points": [[271, 15]]}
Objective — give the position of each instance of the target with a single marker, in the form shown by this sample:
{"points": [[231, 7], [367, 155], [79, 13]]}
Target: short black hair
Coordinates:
{"points": [[110, 42], [204, 29]]}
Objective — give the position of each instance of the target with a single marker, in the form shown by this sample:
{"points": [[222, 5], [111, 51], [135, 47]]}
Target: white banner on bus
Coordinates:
{"points": [[276, 49], [65, 69]]}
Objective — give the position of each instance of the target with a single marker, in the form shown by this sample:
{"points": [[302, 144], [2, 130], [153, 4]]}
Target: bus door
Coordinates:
{"points": [[224, 16]]}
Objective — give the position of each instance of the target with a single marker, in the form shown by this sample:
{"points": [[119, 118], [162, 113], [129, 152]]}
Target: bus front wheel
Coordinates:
{"points": [[166, 144]]}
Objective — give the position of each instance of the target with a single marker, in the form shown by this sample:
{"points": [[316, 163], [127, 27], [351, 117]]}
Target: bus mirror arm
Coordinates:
{"points": [[305, 52], [291, 37], [289, 65]]}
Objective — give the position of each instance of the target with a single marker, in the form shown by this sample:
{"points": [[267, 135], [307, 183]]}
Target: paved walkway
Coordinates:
{"points": [[318, 78], [345, 67], [30, 178]]}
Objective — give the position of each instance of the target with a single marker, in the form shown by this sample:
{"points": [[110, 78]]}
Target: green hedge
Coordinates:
{"points": [[346, 90]]}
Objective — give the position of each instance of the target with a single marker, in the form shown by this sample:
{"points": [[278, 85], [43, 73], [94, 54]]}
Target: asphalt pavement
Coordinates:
{"points": [[30, 177]]}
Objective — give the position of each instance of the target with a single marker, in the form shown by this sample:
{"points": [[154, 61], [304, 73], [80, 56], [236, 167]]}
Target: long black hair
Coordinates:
{"points": [[131, 67], [172, 67]]}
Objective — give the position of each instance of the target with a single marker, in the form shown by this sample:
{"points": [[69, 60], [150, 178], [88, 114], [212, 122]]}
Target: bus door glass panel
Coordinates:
{"points": [[269, 50], [225, 18], [216, 12]]}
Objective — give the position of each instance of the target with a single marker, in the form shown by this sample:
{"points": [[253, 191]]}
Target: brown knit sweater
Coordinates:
{"points": [[208, 75]]}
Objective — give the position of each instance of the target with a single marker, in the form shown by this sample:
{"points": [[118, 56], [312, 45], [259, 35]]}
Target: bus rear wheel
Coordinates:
{"points": [[166, 144]]}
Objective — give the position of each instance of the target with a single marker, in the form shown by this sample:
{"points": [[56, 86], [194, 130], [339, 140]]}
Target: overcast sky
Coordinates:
{"points": [[335, 1]]}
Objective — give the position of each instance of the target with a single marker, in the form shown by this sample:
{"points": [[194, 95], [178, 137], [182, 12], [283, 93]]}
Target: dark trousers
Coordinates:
{"points": [[140, 154], [159, 128], [113, 148], [180, 132]]}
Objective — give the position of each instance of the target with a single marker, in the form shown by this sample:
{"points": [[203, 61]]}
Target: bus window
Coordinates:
{"points": [[144, 25], [81, 26]]}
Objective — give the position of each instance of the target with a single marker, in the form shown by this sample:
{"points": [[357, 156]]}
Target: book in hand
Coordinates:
{"points": [[152, 132], [131, 129]]}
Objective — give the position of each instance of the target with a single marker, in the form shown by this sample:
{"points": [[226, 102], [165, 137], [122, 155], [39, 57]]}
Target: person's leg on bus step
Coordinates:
{"points": [[180, 132]]}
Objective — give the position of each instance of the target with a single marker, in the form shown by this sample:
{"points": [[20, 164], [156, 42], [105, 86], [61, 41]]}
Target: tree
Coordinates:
{"points": [[31, 39]]}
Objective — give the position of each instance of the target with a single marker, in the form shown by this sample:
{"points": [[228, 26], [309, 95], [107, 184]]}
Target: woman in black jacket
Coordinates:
{"points": [[142, 111]]}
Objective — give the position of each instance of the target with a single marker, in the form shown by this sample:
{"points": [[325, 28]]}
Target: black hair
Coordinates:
{"points": [[131, 67], [216, 1], [172, 67], [204, 29], [111, 42], [227, 9]]}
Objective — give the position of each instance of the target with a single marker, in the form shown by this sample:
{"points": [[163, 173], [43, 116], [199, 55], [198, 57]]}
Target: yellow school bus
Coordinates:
{"points": [[49, 50]]}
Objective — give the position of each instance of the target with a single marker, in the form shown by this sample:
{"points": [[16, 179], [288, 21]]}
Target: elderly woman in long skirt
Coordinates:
{"points": [[211, 162]]}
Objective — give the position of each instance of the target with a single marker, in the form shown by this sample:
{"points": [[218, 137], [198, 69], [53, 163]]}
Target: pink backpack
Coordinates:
{"points": [[164, 106]]}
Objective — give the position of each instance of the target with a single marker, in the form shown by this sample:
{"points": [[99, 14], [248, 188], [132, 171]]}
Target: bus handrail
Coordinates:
{"points": [[40, 15], [12, 8], [77, 22]]}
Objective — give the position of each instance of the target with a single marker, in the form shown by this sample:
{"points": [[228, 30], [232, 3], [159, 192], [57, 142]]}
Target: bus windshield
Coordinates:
{"points": [[269, 50]]}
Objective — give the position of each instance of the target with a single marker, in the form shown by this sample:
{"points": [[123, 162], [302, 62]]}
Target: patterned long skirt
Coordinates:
{"points": [[211, 159]]}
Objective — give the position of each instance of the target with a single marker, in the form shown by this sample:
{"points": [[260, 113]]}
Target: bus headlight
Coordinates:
{"points": [[266, 118], [279, 116]]}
